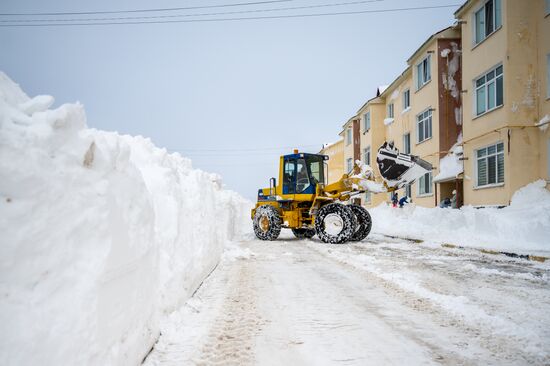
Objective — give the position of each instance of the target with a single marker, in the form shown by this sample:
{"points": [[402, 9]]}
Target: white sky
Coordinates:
{"points": [[234, 86]]}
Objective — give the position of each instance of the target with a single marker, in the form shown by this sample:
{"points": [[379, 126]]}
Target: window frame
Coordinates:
{"points": [[548, 74], [407, 139], [366, 121], [417, 124], [390, 111], [428, 73], [485, 87], [349, 165], [495, 20], [349, 137], [476, 165], [421, 184], [367, 151], [407, 99]]}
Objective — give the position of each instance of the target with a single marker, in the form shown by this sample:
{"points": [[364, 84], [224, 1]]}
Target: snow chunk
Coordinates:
{"points": [[543, 123], [388, 121], [366, 176], [450, 166], [448, 77]]}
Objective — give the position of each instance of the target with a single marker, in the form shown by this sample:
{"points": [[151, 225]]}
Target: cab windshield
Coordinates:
{"points": [[303, 174]]}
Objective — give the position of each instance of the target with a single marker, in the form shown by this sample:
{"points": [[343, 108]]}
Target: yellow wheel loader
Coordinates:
{"points": [[301, 201]]}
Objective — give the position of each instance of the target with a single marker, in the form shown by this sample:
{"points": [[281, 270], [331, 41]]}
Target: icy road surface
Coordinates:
{"points": [[378, 302]]}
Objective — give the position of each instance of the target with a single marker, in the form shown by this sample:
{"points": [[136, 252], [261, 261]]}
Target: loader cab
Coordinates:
{"points": [[302, 172]]}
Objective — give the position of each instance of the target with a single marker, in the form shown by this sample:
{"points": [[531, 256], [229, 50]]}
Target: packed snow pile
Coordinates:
{"points": [[101, 235], [522, 227]]}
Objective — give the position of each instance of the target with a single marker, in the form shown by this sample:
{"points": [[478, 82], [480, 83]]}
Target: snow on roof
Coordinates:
{"points": [[543, 123], [451, 166], [381, 89]]}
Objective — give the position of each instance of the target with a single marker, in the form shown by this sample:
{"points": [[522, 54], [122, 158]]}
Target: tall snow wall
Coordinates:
{"points": [[100, 235]]}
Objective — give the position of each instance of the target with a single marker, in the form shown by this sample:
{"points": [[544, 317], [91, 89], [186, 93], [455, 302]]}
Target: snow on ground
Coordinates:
{"points": [[101, 235], [521, 227], [382, 301]]}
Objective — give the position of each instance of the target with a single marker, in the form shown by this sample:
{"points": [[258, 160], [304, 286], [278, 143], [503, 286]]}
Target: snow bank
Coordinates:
{"points": [[522, 227], [101, 234]]}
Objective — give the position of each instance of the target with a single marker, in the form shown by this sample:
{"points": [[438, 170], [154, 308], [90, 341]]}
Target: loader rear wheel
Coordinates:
{"points": [[303, 233], [335, 223], [267, 223], [364, 222]]}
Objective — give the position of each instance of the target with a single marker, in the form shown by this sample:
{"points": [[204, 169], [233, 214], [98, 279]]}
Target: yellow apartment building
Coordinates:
{"points": [[372, 137], [335, 163], [506, 93]]}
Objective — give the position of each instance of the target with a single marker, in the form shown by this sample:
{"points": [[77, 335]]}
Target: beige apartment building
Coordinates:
{"points": [[372, 137], [505, 72], [335, 163], [474, 101]]}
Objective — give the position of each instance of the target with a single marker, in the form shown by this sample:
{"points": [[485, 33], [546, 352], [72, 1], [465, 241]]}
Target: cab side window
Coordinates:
{"points": [[289, 177]]}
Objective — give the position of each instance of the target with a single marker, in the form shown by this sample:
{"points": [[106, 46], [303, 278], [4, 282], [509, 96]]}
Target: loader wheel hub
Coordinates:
{"points": [[264, 223], [333, 224]]}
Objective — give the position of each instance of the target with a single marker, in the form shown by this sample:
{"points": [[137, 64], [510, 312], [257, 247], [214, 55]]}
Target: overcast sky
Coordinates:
{"points": [[229, 95]]}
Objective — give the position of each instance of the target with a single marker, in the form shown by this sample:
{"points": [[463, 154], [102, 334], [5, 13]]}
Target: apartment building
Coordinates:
{"points": [[372, 136], [335, 163], [474, 101], [505, 73], [423, 112]]}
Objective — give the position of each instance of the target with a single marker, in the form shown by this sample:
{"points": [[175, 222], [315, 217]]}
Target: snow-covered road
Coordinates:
{"points": [[379, 302]]}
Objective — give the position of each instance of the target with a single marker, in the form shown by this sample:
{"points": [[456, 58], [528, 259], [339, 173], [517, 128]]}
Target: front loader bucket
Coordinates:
{"points": [[398, 169]]}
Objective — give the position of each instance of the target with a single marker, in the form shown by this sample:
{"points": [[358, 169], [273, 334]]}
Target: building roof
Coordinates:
{"points": [[463, 7], [397, 79], [427, 42]]}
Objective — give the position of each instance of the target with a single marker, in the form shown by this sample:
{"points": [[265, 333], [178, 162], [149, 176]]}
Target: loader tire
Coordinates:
{"points": [[303, 233], [267, 223], [335, 223], [364, 222]]}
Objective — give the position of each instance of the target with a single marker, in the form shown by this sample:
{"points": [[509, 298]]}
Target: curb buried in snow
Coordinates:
{"points": [[536, 258]]}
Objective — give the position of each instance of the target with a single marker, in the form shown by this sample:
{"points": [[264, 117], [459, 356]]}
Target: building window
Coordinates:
{"points": [[349, 164], [366, 155], [406, 99], [547, 2], [424, 125], [366, 121], [407, 143], [390, 110], [490, 165], [487, 20], [367, 197], [408, 191], [348, 136], [425, 184], [423, 73], [489, 91]]}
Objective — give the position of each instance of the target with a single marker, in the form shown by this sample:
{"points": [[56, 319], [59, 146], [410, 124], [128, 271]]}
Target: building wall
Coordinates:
{"points": [[348, 148], [543, 44], [422, 99], [403, 120], [517, 46], [335, 164], [374, 138]]}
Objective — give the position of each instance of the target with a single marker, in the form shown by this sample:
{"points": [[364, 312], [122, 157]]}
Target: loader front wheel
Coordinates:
{"points": [[335, 223], [364, 222], [303, 233], [267, 223]]}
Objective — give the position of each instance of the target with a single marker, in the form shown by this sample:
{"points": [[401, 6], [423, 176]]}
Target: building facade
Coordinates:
{"points": [[506, 68], [335, 163]]}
